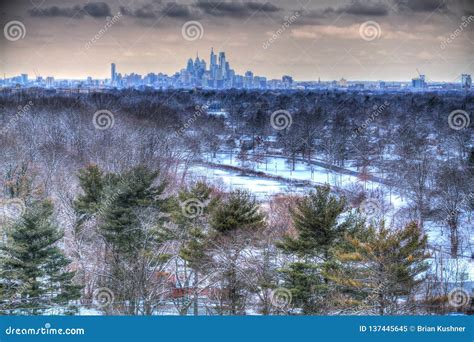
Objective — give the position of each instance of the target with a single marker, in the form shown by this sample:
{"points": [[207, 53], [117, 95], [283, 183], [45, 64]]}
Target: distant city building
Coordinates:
{"points": [[466, 81], [49, 82], [342, 83], [287, 81], [24, 79], [419, 82], [113, 74]]}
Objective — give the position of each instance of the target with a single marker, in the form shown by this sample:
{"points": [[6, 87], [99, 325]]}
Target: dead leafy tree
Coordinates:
{"points": [[451, 197]]}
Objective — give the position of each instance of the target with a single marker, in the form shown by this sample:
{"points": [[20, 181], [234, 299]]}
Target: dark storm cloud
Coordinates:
{"points": [[175, 10], [93, 9], [463, 7], [356, 8], [97, 9], [421, 5], [155, 10], [235, 9], [365, 9], [147, 11], [199, 9], [56, 11]]}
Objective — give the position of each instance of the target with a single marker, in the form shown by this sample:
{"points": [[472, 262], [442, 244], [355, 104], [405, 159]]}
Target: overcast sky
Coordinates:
{"points": [[321, 38]]}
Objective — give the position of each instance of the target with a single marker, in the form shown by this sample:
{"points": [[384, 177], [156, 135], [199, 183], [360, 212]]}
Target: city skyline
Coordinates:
{"points": [[218, 74], [357, 40]]}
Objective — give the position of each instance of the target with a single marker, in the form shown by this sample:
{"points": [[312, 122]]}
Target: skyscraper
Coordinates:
{"points": [[213, 64], [113, 74], [190, 66], [222, 66]]}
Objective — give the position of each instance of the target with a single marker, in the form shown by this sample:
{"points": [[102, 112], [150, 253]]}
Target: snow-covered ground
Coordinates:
{"points": [[281, 167], [231, 180]]}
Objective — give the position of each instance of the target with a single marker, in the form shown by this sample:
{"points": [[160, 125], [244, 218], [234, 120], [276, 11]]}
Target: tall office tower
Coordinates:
{"points": [[222, 63], [190, 66], [113, 73], [213, 64], [248, 79], [49, 81], [466, 81], [287, 81], [199, 67], [226, 70]]}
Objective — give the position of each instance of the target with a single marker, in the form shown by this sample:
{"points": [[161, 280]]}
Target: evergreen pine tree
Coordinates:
{"points": [[320, 228], [234, 222], [382, 266], [131, 218], [91, 181], [192, 234], [36, 279], [125, 197], [317, 220], [239, 212]]}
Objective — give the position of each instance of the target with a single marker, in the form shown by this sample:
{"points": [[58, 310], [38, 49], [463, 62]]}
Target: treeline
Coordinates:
{"points": [[115, 232], [135, 249], [405, 139]]}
